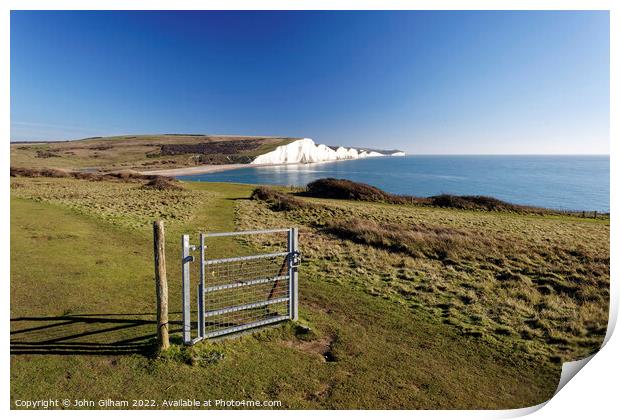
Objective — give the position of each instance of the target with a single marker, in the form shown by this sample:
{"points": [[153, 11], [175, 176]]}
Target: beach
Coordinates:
{"points": [[196, 170], [210, 169]]}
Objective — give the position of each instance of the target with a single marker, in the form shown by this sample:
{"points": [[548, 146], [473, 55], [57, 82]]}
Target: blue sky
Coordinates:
{"points": [[424, 82]]}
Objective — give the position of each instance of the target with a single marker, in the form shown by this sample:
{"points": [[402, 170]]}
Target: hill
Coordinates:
{"points": [[143, 152], [411, 306]]}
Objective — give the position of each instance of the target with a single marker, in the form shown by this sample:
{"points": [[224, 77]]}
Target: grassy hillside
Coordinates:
{"points": [[534, 282], [143, 152], [477, 315]]}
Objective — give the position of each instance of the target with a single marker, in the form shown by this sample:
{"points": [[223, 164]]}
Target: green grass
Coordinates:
{"points": [[395, 328]]}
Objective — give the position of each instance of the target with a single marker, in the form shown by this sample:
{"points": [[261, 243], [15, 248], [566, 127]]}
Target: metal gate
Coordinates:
{"points": [[242, 292]]}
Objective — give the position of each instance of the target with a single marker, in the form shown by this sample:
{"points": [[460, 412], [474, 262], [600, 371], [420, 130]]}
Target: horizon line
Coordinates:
{"points": [[297, 137]]}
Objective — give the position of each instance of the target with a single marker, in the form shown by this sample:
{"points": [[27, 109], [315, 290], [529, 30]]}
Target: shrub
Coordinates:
{"points": [[35, 172], [345, 189], [45, 154], [163, 183], [479, 202], [348, 190], [228, 147], [278, 201], [88, 176]]}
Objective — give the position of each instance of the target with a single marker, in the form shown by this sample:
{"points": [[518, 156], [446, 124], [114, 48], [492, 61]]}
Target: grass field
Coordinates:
{"points": [[480, 325], [142, 152]]}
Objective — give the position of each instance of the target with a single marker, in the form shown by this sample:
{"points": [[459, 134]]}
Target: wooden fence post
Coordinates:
{"points": [[161, 285]]}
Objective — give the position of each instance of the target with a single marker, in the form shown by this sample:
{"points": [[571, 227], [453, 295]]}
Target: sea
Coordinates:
{"points": [[557, 182]]}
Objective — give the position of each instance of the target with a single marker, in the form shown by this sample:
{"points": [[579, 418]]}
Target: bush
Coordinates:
{"points": [[228, 147], [45, 154], [345, 189], [479, 202], [35, 172], [162, 183], [348, 190], [278, 201]]}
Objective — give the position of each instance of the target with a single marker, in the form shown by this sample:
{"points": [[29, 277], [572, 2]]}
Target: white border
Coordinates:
{"points": [[592, 394]]}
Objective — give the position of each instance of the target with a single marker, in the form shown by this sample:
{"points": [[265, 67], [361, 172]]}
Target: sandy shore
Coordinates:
{"points": [[195, 170], [208, 169]]}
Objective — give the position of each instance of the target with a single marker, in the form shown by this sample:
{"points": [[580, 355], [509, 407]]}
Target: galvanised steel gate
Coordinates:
{"points": [[243, 292]]}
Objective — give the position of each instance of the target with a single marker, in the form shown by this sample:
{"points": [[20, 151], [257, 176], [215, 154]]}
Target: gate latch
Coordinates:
{"points": [[296, 259], [190, 258]]}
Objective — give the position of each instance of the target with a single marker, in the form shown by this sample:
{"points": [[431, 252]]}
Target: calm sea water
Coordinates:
{"points": [[560, 182]]}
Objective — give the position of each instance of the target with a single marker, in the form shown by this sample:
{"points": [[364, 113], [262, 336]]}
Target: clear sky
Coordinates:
{"points": [[424, 82]]}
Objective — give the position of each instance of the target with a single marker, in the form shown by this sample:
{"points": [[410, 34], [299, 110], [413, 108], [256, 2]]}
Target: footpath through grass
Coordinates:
{"points": [[83, 303]]}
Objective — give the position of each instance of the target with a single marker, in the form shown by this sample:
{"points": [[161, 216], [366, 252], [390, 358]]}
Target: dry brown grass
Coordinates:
{"points": [[534, 282], [123, 203], [416, 240], [156, 182]]}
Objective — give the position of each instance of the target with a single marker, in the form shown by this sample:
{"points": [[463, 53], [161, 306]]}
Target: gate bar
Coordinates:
{"points": [[246, 306], [201, 288], [293, 250], [186, 259], [246, 326], [244, 283], [245, 232], [246, 258]]}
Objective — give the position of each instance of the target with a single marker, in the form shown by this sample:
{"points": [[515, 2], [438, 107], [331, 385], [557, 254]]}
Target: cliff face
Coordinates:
{"points": [[306, 151]]}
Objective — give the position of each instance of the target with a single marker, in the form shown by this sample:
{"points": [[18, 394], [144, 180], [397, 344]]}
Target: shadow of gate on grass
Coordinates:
{"points": [[94, 334]]}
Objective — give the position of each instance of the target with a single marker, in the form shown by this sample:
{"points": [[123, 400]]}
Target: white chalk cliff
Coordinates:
{"points": [[306, 151]]}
